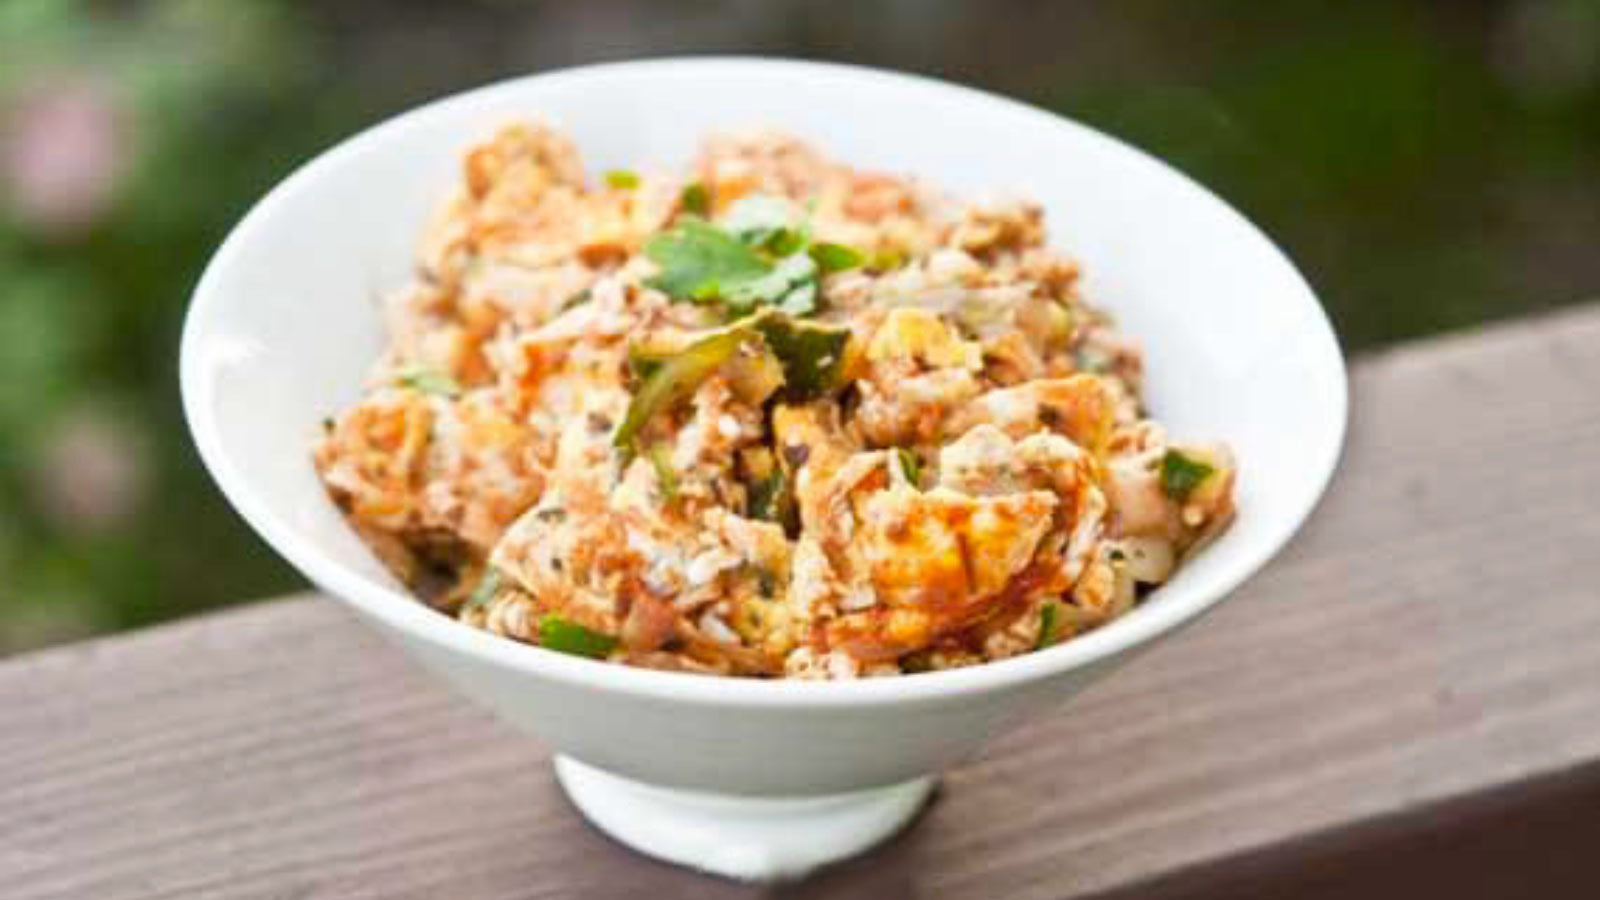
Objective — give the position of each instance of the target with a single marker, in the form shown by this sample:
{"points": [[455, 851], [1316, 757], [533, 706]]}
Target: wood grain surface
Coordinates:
{"points": [[1430, 643]]}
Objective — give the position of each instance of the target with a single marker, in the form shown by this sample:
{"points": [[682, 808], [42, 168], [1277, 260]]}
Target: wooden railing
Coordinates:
{"points": [[1407, 700]]}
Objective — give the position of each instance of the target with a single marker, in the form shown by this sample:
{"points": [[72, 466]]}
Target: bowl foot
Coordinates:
{"points": [[747, 838]]}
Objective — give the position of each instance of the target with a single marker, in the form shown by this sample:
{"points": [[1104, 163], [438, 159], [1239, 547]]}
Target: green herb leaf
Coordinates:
{"points": [[910, 466], [1091, 360], [428, 382], [578, 299], [786, 241], [699, 262], [1180, 474], [565, 636], [622, 179], [675, 378], [643, 362], [752, 259], [487, 587], [660, 460], [759, 220], [695, 199], [1047, 624], [791, 285], [766, 582], [767, 223], [886, 260], [835, 257], [767, 495], [811, 353]]}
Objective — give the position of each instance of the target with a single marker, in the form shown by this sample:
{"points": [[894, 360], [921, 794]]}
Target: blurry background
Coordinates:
{"points": [[1430, 165]]}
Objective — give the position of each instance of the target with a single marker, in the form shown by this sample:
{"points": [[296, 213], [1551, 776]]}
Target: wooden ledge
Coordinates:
{"points": [[1417, 668]]}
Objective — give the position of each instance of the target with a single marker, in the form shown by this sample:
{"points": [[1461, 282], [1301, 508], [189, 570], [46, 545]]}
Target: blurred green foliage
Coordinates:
{"points": [[1430, 165]]}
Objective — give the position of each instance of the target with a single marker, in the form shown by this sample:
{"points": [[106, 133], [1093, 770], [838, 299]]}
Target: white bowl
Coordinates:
{"points": [[283, 326]]}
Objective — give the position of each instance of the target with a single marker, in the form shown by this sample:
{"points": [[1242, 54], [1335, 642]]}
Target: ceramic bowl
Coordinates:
{"points": [[745, 777]]}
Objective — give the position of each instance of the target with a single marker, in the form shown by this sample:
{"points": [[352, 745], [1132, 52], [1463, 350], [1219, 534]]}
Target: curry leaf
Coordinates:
{"points": [[811, 354], [675, 378]]}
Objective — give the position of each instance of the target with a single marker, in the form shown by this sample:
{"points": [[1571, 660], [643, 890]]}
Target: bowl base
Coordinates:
{"points": [[746, 838]]}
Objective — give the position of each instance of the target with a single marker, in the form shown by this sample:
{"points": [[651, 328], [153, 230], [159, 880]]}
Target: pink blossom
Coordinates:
{"points": [[93, 471], [61, 153]]}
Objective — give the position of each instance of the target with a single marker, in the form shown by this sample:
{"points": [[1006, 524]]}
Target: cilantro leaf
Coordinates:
{"points": [[759, 255], [761, 220], [791, 285], [1181, 474], [700, 261]]}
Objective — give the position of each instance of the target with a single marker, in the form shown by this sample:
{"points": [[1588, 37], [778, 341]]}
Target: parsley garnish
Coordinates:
{"points": [[622, 179], [1181, 474]]}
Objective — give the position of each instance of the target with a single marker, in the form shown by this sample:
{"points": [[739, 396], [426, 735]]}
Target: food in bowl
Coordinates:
{"points": [[772, 416]]}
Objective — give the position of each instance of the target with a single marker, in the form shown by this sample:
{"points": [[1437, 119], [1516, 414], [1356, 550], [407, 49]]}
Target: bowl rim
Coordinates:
{"points": [[417, 621]]}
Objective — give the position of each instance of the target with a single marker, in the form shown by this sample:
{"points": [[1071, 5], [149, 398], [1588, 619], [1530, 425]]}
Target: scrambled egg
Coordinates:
{"points": [[770, 416]]}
